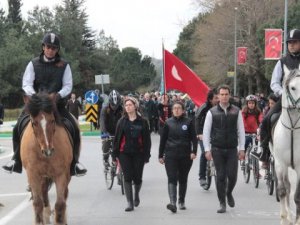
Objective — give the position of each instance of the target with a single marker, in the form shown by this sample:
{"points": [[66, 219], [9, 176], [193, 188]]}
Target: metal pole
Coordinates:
{"points": [[285, 26], [102, 86], [235, 70]]}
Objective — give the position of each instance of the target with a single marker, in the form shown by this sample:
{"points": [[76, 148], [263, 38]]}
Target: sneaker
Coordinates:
{"points": [[203, 182]]}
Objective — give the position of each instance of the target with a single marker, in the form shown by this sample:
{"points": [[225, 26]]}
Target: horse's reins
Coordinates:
{"points": [[292, 128]]}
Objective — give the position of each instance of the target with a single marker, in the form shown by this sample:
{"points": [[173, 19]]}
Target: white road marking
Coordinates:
{"points": [[16, 211], [14, 194]]}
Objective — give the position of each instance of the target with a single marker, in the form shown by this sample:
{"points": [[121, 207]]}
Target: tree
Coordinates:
{"points": [[14, 17], [13, 59], [129, 70], [185, 45], [214, 53]]}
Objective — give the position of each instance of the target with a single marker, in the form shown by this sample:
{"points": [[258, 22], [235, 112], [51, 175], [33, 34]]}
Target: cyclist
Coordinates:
{"points": [[212, 100], [264, 154], [252, 117], [110, 114]]}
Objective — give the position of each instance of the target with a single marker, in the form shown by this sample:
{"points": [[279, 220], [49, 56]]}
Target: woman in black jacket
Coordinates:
{"points": [[177, 150], [132, 146]]}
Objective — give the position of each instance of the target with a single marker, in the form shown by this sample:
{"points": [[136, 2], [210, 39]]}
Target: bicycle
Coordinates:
{"points": [[112, 169], [251, 162], [210, 172], [271, 179]]}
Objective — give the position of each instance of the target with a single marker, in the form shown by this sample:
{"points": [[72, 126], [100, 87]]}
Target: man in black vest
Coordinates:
{"points": [[48, 73], [292, 61], [222, 133]]}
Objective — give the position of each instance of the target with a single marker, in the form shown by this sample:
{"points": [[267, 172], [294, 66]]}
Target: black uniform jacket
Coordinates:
{"points": [[178, 138]]}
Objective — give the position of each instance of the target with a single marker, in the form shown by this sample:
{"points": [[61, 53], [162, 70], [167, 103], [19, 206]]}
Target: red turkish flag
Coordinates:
{"points": [[241, 55], [273, 44], [180, 77]]}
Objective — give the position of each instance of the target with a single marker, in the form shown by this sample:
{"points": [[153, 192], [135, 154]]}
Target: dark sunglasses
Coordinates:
{"points": [[51, 47], [293, 41]]}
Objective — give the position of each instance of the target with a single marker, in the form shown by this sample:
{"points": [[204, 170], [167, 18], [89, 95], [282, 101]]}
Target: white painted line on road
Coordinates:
{"points": [[16, 211], [14, 194]]}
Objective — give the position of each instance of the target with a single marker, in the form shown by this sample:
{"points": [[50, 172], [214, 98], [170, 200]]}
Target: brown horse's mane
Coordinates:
{"points": [[42, 102]]}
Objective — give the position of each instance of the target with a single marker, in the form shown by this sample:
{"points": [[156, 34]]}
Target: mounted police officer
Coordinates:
{"points": [[291, 60], [48, 73]]}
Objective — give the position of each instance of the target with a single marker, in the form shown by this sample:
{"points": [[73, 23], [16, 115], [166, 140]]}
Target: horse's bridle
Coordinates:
{"points": [[46, 152]]}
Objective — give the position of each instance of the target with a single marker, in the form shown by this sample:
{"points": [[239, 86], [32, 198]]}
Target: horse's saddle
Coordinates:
{"points": [[24, 120], [69, 128]]}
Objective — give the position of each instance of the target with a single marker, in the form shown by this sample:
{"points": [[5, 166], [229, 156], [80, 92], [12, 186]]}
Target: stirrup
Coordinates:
{"points": [[6, 168], [84, 170]]}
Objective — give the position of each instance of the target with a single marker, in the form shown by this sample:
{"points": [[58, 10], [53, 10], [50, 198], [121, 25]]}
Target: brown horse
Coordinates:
{"points": [[46, 153]]}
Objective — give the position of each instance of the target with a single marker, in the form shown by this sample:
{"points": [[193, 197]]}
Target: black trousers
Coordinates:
{"points": [[265, 127], [132, 166], [178, 169], [226, 163], [203, 162], [106, 145]]}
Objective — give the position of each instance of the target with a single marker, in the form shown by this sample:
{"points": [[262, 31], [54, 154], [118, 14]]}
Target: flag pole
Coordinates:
{"points": [[163, 67]]}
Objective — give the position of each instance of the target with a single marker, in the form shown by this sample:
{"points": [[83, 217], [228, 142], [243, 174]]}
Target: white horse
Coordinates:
{"points": [[286, 145]]}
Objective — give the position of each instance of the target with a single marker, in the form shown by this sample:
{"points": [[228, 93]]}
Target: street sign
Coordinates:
{"points": [[91, 97], [91, 113], [230, 74], [102, 79]]}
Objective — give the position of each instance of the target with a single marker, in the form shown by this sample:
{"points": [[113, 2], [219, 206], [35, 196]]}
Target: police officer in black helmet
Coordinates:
{"points": [[48, 73], [292, 61]]}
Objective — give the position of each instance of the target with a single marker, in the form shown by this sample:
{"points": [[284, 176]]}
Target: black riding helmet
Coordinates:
{"points": [[114, 99], [52, 40], [294, 35]]}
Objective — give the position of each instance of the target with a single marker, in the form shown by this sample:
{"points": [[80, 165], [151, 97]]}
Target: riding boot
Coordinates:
{"points": [[75, 165], [173, 197], [16, 164], [182, 192], [137, 188], [129, 196]]}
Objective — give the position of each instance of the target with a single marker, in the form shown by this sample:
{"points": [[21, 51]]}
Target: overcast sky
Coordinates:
{"points": [[137, 23]]}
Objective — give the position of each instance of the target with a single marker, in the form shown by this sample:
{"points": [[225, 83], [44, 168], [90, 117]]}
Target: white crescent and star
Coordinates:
{"points": [[275, 38], [175, 74]]}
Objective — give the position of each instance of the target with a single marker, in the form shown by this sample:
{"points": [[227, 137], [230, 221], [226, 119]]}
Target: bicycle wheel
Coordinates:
{"points": [[208, 176], [270, 178], [255, 165], [109, 174], [122, 180], [246, 168]]}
